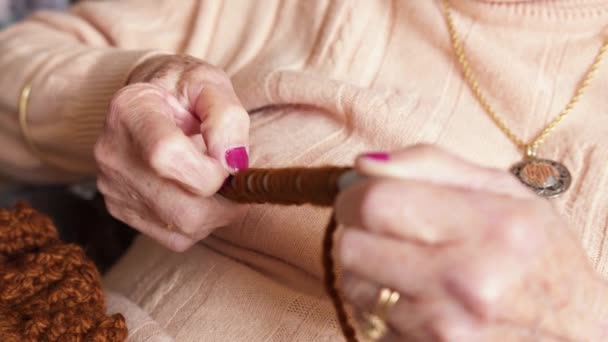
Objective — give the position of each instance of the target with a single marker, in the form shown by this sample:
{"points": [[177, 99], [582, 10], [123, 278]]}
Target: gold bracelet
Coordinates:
{"points": [[25, 132], [24, 97]]}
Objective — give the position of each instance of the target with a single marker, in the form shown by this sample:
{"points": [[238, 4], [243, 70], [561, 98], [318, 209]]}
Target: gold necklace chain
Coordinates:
{"points": [[530, 147]]}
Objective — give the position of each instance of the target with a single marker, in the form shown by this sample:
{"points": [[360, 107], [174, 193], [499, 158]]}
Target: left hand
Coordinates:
{"points": [[172, 136], [473, 253]]}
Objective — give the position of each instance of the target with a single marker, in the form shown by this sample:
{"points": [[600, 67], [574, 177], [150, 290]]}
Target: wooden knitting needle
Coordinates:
{"points": [[317, 186]]}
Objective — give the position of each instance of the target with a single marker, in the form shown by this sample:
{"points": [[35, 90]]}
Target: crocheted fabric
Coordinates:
{"points": [[49, 290]]}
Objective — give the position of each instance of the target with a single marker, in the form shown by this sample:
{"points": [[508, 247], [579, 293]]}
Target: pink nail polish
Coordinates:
{"points": [[237, 158], [377, 156]]}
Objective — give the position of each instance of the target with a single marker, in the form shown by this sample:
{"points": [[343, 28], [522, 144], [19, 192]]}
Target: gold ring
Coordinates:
{"points": [[375, 326], [387, 298]]}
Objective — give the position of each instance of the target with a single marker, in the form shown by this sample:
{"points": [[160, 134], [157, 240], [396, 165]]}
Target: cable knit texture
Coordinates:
{"points": [[324, 80], [49, 290]]}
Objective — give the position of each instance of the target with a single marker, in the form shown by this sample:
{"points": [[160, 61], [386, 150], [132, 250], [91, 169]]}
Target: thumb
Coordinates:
{"points": [[224, 125]]}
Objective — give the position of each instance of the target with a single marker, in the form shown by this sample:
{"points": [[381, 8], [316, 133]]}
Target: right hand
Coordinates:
{"points": [[172, 137]]}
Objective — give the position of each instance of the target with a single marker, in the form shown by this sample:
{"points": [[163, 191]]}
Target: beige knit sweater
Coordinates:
{"points": [[326, 80]]}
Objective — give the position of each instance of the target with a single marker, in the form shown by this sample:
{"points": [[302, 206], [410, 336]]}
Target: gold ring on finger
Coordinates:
{"points": [[387, 298], [375, 326]]}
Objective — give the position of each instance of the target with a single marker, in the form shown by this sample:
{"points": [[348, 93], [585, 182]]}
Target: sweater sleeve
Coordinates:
{"points": [[75, 62]]}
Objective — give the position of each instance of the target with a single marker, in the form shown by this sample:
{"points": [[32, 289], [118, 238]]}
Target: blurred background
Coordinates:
{"points": [[14, 10]]}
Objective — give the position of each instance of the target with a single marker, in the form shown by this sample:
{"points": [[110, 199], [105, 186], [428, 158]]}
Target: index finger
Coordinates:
{"points": [[431, 164]]}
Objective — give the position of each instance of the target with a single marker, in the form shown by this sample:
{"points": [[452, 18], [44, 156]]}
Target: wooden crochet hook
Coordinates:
{"points": [[317, 186]]}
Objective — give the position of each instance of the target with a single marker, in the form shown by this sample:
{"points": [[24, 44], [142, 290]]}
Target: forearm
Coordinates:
{"points": [[76, 61], [64, 115]]}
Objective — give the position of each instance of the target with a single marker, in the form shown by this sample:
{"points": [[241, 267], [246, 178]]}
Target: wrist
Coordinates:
{"points": [[62, 129]]}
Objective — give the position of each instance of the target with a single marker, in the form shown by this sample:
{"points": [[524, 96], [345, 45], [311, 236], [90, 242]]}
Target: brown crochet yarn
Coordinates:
{"points": [[49, 290], [317, 186]]}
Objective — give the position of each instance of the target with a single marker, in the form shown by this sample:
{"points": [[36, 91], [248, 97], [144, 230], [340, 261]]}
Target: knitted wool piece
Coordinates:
{"points": [[49, 290]]}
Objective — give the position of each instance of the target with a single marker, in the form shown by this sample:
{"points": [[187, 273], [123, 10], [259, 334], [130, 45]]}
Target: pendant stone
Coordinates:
{"points": [[547, 178]]}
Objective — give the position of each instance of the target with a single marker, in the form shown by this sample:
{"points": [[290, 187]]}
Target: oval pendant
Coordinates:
{"points": [[547, 178]]}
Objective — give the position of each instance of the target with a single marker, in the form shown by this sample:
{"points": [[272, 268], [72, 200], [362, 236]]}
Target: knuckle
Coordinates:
{"points": [[162, 152], [515, 227], [482, 295], [232, 116], [122, 106], [107, 163], [522, 227], [185, 217], [105, 157], [477, 291], [102, 185], [114, 209], [177, 244], [120, 101], [100, 151], [126, 100]]}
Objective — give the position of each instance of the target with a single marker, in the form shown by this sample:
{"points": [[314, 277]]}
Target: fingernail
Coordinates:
{"points": [[237, 158], [377, 156]]}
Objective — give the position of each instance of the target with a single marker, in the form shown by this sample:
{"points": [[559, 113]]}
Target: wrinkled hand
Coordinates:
{"points": [[172, 136], [475, 255]]}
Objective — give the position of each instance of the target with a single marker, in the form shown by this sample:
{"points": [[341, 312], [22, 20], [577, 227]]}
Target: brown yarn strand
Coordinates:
{"points": [[296, 186], [331, 286], [49, 290]]}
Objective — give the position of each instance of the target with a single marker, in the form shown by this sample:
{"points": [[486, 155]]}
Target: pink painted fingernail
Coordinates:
{"points": [[377, 156], [237, 158]]}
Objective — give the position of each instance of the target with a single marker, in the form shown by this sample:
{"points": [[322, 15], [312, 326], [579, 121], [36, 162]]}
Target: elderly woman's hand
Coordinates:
{"points": [[171, 138], [474, 255]]}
